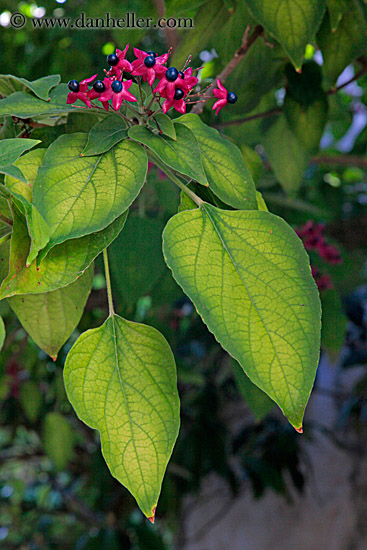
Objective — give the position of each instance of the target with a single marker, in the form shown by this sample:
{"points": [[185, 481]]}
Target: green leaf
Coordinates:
{"points": [[2, 333], [121, 379], [40, 87], [24, 105], [38, 229], [80, 195], [223, 164], [341, 47], [261, 204], [186, 203], [30, 398], [50, 318], [165, 125], [334, 321], [307, 122], [136, 259], [12, 171], [336, 9], [104, 135], [58, 439], [11, 149], [259, 402], [293, 24], [287, 157], [61, 266], [182, 154], [249, 277]]}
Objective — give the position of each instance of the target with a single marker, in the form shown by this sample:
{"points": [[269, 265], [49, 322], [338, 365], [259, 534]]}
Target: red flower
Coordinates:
{"points": [[330, 254], [92, 94], [185, 84], [148, 73], [221, 93], [123, 64], [118, 97], [82, 94], [178, 104]]}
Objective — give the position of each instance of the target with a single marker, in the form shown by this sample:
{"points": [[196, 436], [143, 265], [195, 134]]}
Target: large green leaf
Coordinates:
{"points": [[12, 171], [287, 157], [61, 266], [38, 229], [259, 402], [223, 164], [292, 23], [24, 105], [249, 277], [80, 195], [121, 379], [136, 259], [104, 135], [342, 46], [182, 154], [51, 317], [40, 87]]}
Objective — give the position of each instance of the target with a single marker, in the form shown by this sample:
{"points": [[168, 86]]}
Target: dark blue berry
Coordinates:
{"points": [[172, 74], [73, 85], [149, 61], [231, 97], [116, 86], [179, 93], [112, 59], [152, 53], [181, 74], [99, 86]]}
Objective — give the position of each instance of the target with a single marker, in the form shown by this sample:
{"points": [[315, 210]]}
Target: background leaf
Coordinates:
{"points": [[58, 439], [40, 87], [259, 402]]}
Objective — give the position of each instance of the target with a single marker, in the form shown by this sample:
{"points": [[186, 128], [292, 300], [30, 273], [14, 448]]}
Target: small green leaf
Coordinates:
{"points": [[223, 164], [336, 9], [165, 125], [12, 171], [307, 122], [81, 195], [261, 204], [40, 87], [259, 402], [121, 379], [292, 23], [58, 439], [30, 398], [186, 203], [24, 105], [11, 149], [287, 157], [136, 259], [182, 154], [249, 277], [61, 266], [104, 135], [341, 47], [50, 318]]}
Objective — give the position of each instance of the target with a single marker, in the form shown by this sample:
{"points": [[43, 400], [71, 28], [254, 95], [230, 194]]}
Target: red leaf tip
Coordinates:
{"points": [[299, 430], [53, 357], [152, 518]]}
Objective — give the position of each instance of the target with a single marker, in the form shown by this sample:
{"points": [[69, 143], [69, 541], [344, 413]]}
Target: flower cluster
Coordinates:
{"points": [[174, 87], [312, 235]]}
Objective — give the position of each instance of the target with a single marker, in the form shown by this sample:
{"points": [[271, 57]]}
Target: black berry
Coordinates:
{"points": [[73, 85], [152, 53], [231, 97], [172, 74], [179, 93], [181, 74], [116, 86], [112, 59], [149, 61], [99, 86]]}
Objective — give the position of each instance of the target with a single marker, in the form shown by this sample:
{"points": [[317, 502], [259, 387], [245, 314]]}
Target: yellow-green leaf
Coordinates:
{"points": [[249, 277], [121, 379]]}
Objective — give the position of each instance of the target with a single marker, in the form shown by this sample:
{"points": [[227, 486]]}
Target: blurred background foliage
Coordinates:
{"points": [[304, 138]]}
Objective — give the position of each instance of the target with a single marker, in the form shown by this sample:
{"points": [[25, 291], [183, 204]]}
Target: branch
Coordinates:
{"points": [[236, 59], [341, 160], [360, 73], [171, 34], [239, 121]]}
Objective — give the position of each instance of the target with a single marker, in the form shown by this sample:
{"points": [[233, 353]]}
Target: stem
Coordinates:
{"points": [[6, 220], [141, 95], [197, 200], [108, 283], [360, 73]]}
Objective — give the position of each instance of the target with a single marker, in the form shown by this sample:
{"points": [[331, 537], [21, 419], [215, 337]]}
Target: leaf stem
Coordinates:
{"points": [[172, 176], [108, 283]]}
